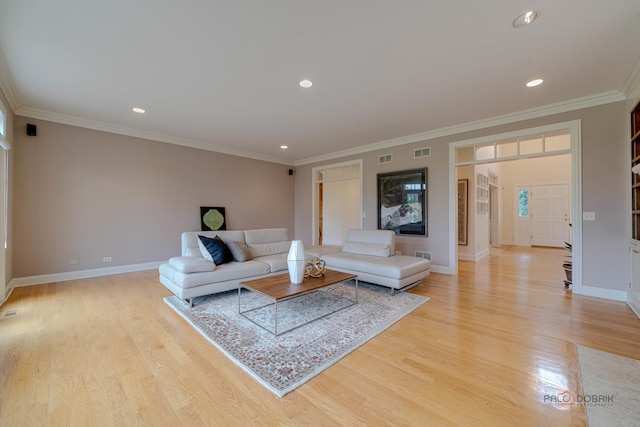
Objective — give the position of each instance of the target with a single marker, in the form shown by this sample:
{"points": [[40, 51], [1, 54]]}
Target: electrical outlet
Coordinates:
{"points": [[589, 216], [73, 261], [106, 259]]}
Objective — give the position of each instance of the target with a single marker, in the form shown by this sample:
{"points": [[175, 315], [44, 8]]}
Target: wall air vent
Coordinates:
{"points": [[422, 152], [387, 158], [425, 255]]}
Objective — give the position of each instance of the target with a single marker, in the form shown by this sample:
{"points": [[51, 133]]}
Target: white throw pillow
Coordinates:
{"points": [[205, 253]]}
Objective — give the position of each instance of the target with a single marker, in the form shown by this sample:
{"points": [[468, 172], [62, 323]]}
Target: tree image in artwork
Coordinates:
{"points": [[212, 218]]}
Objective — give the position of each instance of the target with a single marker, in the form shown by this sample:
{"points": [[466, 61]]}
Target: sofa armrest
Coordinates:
{"points": [[191, 264]]}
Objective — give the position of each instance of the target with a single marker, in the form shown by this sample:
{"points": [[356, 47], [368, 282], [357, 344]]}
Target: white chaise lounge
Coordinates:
{"points": [[371, 255]]}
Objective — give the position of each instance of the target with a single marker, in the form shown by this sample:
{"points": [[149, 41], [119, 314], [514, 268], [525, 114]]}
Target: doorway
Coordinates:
{"points": [[548, 141], [337, 202]]}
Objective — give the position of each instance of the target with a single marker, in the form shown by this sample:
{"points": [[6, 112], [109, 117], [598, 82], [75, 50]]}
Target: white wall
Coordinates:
{"points": [[83, 194], [481, 222], [478, 223], [605, 187]]}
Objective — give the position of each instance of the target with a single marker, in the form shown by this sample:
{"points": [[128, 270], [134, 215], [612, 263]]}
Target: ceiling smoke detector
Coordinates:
{"points": [[525, 19]]}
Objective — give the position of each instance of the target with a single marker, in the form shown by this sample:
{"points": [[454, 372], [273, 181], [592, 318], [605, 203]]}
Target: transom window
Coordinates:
{"points": [[544, 144]]}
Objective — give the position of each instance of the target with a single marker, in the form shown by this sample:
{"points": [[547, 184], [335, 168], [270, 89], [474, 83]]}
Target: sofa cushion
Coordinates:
{"points": [[220, 253], [190, 264], [273, 248], [239, 250], [396, 267], [276, 262], [375, 249], [265, 235], [385, 237], [222, 273]]}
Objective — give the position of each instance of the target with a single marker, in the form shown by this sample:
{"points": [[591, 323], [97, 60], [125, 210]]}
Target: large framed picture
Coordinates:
{"points": [[402, 202]]}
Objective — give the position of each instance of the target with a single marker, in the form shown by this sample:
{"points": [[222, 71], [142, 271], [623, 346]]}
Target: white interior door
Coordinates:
{"points": [[336, 201], [522, 217], [550, 215], [340, 210]]}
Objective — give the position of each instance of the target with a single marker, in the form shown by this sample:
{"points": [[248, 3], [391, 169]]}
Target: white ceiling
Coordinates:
{"points": [[224, 74]]}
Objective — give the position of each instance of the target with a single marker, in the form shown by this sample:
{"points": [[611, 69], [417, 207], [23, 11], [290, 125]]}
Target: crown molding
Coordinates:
{"points": [[137, 133], [547, 110], [6, 84]]}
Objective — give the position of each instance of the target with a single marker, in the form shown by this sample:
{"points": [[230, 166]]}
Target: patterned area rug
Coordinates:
{"points": [[287, 361]]}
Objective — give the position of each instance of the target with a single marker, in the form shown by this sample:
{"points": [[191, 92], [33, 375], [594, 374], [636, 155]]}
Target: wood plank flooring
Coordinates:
{"points": [[488, 349]]}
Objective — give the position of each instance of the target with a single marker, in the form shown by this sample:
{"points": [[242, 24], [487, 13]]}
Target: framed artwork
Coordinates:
{"points": [[212, 218], [402, 202], [463, 211]]}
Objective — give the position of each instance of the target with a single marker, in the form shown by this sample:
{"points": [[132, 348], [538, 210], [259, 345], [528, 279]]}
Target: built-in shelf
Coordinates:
{"points": [[635, 178]]}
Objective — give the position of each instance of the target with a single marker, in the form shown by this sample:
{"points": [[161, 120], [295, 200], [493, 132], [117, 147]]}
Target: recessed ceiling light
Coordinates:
{"points": [[525, 19], [534, 83], [138, 110], [284, 147], [306, 84]]}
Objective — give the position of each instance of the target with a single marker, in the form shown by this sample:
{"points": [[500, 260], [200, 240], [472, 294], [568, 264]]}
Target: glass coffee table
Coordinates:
{"points": [[278, 289]]}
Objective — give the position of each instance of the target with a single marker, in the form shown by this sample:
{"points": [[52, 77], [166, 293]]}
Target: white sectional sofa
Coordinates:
{"points": [[190, 275], [371, 255]]}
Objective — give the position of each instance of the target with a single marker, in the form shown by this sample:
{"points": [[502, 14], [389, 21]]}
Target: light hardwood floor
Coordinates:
{"points": [[484, 351]]}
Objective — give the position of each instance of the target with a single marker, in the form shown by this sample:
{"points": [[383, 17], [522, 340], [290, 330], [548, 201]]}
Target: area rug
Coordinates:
{"points": [[287, 361], [611, 386]]}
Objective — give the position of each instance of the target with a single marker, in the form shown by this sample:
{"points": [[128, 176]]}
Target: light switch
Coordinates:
{"points": [[589, 216]]}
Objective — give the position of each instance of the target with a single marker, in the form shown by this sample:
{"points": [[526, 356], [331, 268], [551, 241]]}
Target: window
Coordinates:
{"points": [[523, 204], [539, 144]]}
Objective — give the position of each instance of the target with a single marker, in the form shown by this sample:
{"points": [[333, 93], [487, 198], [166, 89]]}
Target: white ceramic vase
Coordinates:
{"points": [[296, 262]]}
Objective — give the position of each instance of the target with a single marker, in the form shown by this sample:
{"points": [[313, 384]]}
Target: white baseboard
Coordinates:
{"points": [[476, 257], [82, 274], [633, 301], [612, 294], [441, 269]]}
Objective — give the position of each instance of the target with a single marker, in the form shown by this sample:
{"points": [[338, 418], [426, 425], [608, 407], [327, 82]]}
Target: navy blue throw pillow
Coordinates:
{"points": [[217, 248]]}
